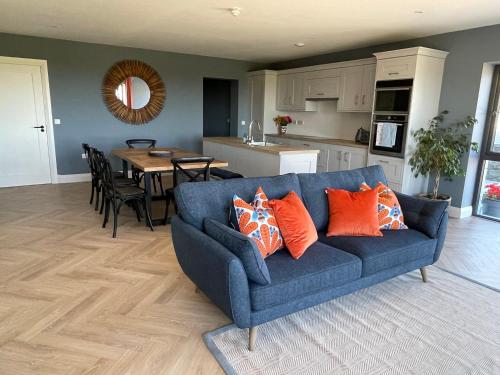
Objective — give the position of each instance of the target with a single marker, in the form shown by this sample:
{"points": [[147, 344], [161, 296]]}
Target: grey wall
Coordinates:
{"points": [[76, 71], [469, 50]]}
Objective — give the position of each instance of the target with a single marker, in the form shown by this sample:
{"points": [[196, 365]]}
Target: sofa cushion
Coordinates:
{"points": [[241, 246], [295, 224], [313, 187], [212, 199], [256, 221], [320, 267], [395, 248]]}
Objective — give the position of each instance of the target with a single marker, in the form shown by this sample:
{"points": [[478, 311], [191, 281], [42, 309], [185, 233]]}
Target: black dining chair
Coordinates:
{"points": [[182, 174], [115, 196], [98, 160], [93, 171], [136, 173]]}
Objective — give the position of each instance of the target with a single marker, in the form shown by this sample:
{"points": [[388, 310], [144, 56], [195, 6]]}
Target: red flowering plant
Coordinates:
{"points": [[493, 191], [282, 120]]}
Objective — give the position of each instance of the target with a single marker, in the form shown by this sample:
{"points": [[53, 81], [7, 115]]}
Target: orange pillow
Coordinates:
{"points": [[295, 224], [390, 215], [353, 214]]}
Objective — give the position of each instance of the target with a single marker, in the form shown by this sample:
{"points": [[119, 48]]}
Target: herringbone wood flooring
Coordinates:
{"points": [[75, 301]]}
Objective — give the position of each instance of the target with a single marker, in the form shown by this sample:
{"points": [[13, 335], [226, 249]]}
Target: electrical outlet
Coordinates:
{"points": [[57, 121], [84, 156], [243, 123], [300, 122]]}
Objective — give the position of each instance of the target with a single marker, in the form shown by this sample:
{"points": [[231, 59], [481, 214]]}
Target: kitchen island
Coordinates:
{"points": [[260, 159]]}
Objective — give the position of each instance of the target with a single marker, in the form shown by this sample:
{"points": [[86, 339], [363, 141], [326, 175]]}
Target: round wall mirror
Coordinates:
{"points": [[133, 92]]}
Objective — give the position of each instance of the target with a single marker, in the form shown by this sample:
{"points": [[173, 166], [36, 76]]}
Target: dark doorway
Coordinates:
{"points": [[220, 107]]}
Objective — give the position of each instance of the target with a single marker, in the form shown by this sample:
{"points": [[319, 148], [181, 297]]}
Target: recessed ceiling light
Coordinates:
{"points": [[235, 11], [299, 44], [418, 11]]}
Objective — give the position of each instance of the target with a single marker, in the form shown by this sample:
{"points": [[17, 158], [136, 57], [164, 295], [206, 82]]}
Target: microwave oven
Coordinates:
{"points": [[393, 96], [389, 135]]}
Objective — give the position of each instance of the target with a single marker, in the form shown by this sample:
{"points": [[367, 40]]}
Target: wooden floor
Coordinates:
{"points": [[75, 301]]}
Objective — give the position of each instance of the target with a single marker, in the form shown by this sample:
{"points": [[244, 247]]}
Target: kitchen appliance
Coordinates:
{"points": [[389, 134], [362, 136], [393, 97]]}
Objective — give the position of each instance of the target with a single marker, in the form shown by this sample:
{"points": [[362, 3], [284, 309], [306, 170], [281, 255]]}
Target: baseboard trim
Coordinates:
{"points": [[70, 178], [460, 212]]}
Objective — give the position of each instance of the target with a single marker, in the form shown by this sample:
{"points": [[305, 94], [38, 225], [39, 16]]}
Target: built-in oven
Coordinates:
{"points": [[393, 96], [389, 134]]}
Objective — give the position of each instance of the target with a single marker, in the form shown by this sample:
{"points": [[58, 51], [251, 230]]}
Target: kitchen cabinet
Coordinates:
{"points": [[290, 93], [323, 84], [393, 169], [262, 101], [358, 85], [396, 68], [331, 157], [342, 158]]}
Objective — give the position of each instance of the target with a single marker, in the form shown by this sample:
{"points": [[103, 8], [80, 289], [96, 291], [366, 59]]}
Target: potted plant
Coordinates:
{"points": [[439, 151], [491, 200], [282, 123]]}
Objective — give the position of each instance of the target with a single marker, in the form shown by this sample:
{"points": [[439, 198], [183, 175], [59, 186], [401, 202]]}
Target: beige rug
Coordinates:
{"points": [[402, 326]]}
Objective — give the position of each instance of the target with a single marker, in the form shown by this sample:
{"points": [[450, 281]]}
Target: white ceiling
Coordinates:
{"points": [[265, 31]]}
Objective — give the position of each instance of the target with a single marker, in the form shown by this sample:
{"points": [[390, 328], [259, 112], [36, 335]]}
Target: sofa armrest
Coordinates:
{"points": [[214, 269], [423, 215]]}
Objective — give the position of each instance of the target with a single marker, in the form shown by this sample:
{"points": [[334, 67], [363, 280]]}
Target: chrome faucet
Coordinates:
{"points": [[250, 139]]}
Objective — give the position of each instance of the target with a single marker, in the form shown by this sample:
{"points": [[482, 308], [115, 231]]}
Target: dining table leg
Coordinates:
{"points": [[124, 168], [147, 189]]}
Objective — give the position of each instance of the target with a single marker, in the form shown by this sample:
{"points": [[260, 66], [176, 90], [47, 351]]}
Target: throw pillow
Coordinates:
{"points": [[257, 221], [390, 215], [241, 246], [295, 224], [352, 213]]}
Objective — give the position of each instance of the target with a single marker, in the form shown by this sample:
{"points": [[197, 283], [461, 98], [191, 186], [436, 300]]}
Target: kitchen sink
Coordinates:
{"points": [[262, 144]]}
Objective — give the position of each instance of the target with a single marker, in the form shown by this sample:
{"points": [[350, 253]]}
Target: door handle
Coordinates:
{"points": [[393, 73], [339, 155], [345, 156], [363, 99], [356, 99], [42, 128]]}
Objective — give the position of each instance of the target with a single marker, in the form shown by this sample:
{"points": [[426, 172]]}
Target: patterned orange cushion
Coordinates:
{"points": [[390, 215], [256, 220]]}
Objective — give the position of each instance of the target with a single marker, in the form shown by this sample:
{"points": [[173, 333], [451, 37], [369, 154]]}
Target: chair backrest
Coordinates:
{"points": [[192, 175], [105, 172], [87, 151], [149, 143]]}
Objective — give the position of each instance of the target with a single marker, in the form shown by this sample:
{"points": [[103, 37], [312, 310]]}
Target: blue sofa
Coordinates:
{"points": [[252, 291]]}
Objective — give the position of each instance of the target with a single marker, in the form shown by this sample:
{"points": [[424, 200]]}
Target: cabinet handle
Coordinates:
{"points": [[320, 93], [339, 155], [345, 156], [383, 161], [363, 99], [306, 144], [393, 73], [356, 97]]}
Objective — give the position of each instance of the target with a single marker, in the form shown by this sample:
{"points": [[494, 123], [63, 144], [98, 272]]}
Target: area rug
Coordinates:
{"points": [[402, 326]]}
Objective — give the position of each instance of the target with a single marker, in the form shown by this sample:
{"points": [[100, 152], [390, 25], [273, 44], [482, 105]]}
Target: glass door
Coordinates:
{"points": [[488, 190]]}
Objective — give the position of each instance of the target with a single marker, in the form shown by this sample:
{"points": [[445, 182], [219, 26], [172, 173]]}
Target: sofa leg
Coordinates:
{"points": [[252, 336], [423, 271]]}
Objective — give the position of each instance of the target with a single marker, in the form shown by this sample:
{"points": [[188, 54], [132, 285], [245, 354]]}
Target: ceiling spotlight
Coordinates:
{"points": [[418, 11], [299, 44], [235, 11]]}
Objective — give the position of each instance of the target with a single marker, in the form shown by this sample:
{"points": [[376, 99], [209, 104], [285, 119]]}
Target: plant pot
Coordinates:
{"points": [[440, 197], [490, 207], [281, 130]]}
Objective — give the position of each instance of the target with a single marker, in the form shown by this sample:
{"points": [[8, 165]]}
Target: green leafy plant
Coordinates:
{"points": [[440, 149]]}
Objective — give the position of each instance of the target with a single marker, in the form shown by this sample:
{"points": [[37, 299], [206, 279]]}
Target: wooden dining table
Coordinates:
{"points": [[140, 159]]}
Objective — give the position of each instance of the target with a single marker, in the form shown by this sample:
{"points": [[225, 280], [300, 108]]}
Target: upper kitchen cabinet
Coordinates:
{"points": [[290, 93], [358, 84], [323, 84], [262, 101]]}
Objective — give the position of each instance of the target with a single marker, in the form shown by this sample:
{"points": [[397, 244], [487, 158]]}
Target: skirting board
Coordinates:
{"points": [[79, 177], [459, 212], [69, 178]]}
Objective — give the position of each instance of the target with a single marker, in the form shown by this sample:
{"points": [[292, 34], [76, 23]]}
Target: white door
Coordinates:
{"points": [[24, 151]]}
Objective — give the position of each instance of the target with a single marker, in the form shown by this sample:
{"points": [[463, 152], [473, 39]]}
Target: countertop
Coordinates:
{"points": [[275, 149], [330, 141]]}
